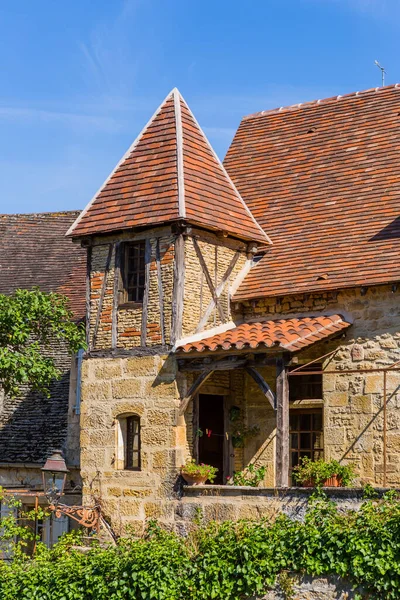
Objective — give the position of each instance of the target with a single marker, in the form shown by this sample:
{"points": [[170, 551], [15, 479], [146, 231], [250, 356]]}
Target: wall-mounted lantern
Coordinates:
{"points": [[54, 474]]}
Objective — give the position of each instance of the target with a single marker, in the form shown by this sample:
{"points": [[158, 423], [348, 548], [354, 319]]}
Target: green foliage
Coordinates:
{"points": [[250, 476], [228, 561], [319, 471], [29, 321], [240, 435], [195, 470], [369, 492]]}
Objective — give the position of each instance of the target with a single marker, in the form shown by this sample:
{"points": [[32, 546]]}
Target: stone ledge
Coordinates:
{"points": [[229, 491]]}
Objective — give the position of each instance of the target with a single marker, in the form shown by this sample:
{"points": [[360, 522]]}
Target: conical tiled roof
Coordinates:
{"points": [[170, 172]]}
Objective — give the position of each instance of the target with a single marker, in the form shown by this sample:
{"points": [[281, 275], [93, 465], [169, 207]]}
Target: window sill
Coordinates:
{"points": [[128, 305]]}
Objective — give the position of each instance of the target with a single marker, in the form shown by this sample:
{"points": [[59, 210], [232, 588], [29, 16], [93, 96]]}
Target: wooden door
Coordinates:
{"points": [[211, 441]]}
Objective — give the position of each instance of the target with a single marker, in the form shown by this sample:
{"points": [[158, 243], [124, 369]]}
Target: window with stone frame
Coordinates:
{"points": [[306, 434], [133, 267], [128, 443], [306, 386]]}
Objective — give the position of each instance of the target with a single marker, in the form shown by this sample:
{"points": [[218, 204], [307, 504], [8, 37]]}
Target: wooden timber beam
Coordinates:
{"points": [[282, 423], [145, 305], [268, 393], [102, 294], [114, 314], [208, 279], [178, 289], [160, 291], [88, 295], [194, 388], [224, 363], [218, 291]]}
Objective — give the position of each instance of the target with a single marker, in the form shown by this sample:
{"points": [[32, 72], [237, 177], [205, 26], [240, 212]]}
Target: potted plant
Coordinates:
{"points": [[195, 474], [321, 473], [250, 476]]}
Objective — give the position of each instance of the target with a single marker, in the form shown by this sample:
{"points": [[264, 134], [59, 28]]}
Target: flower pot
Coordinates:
{"points": [[310, 483], [194, 479], [333, 481]]}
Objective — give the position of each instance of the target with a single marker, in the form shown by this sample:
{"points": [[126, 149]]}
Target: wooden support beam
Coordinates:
{"points": [[160, 291], [224, 363], [88, 295], [282, 423], [208, 279], [178, 290], [218, 291], [193, 390], [268, 393], [147, 262], [117, 277], [102, 294]]}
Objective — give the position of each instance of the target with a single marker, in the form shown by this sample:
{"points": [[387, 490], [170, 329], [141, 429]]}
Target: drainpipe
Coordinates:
{"points": [[77, 407]]}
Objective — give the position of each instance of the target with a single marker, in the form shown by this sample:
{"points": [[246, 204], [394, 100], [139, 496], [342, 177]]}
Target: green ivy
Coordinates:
{"points": [[229, 561]]}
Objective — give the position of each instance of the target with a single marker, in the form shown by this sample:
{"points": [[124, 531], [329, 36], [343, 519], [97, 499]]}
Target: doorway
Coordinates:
{"points": [[211, 440]]}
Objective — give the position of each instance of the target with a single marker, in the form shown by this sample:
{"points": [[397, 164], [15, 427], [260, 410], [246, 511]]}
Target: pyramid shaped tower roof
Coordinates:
{"points": [[169, 173]]}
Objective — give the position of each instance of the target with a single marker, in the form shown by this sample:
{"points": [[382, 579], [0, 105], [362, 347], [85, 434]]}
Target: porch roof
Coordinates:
{"points": [[287, 334]]}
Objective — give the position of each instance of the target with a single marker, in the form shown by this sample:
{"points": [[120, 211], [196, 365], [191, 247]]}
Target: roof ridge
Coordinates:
{"points": [[267, 238], [179, 154], [124, 157], [311, 103], [54, 213]]}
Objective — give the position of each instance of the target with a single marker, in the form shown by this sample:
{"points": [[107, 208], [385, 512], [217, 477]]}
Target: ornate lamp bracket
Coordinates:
{"points": [[86, 516]]}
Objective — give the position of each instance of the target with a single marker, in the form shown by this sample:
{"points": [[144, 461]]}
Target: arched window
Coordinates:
{"points": [[128, 442]]}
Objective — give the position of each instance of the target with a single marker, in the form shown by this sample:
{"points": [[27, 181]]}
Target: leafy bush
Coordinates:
{"points": [[249, 476], [319, 471], [229, 561]]}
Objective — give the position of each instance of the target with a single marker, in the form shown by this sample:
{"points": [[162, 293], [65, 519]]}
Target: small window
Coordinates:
{"points": [[128, 443], [306, 386], [133, 271], [306, 435]]}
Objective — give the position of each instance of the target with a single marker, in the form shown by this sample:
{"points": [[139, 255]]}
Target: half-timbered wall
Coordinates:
{"points": [[128, 320], [211, 267]]}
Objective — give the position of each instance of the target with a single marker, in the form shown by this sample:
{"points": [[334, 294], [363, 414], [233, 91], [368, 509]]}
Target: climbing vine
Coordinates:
{"points": [[230, 561]]}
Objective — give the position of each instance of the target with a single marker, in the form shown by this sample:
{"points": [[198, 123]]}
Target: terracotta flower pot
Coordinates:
{"points": [[333, 481], [194, 479]]}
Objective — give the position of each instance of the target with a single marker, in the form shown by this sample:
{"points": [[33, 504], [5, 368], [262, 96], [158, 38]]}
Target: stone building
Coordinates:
{"points": [[245, 313], [35, 252]]}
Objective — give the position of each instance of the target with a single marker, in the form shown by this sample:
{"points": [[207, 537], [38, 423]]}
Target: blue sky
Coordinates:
{"points": [[79, 79]]}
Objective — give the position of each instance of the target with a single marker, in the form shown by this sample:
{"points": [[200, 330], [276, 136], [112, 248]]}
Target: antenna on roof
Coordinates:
{"points": [[382, 71]]}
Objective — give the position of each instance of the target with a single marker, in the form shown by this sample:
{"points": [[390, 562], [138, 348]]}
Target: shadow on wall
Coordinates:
{"points": [[31, 425]]}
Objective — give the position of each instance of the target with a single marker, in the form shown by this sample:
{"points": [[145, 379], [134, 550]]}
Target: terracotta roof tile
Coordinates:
{"points": [[169, 173], [288, 334], [325, 177]]}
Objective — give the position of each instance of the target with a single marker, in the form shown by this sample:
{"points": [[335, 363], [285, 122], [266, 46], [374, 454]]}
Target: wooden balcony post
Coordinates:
{"points": [[282, 423]]}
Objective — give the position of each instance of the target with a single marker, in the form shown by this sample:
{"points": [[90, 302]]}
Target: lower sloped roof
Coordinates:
{"points": [[35, 252], [286, 334]]}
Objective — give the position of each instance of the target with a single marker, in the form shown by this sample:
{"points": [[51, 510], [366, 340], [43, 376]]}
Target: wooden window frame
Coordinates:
{"points": [[311, 431], [129, 452], [124, 300], [298, 384]]}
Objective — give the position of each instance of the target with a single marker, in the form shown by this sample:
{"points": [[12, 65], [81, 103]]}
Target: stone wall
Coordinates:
{"points": [[147, 386], [353, 403]]}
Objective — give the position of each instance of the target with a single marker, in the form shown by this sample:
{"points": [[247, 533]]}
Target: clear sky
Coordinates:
{"points": [[79, 79]]}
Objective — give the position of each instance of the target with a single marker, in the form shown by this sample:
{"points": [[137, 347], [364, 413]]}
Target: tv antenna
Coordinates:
{"points": [[383, 72]]}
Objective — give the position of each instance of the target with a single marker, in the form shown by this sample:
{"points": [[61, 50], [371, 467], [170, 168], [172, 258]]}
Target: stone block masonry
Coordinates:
{"points": [[146, 386]]}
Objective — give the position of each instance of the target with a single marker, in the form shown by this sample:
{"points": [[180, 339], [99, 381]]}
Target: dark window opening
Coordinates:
{"points": [[132, 445], [134, 271], [306, 386], [306, 435]]}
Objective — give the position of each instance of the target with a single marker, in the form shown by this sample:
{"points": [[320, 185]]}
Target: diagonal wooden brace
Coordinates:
{"points": [[268, 393]]}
